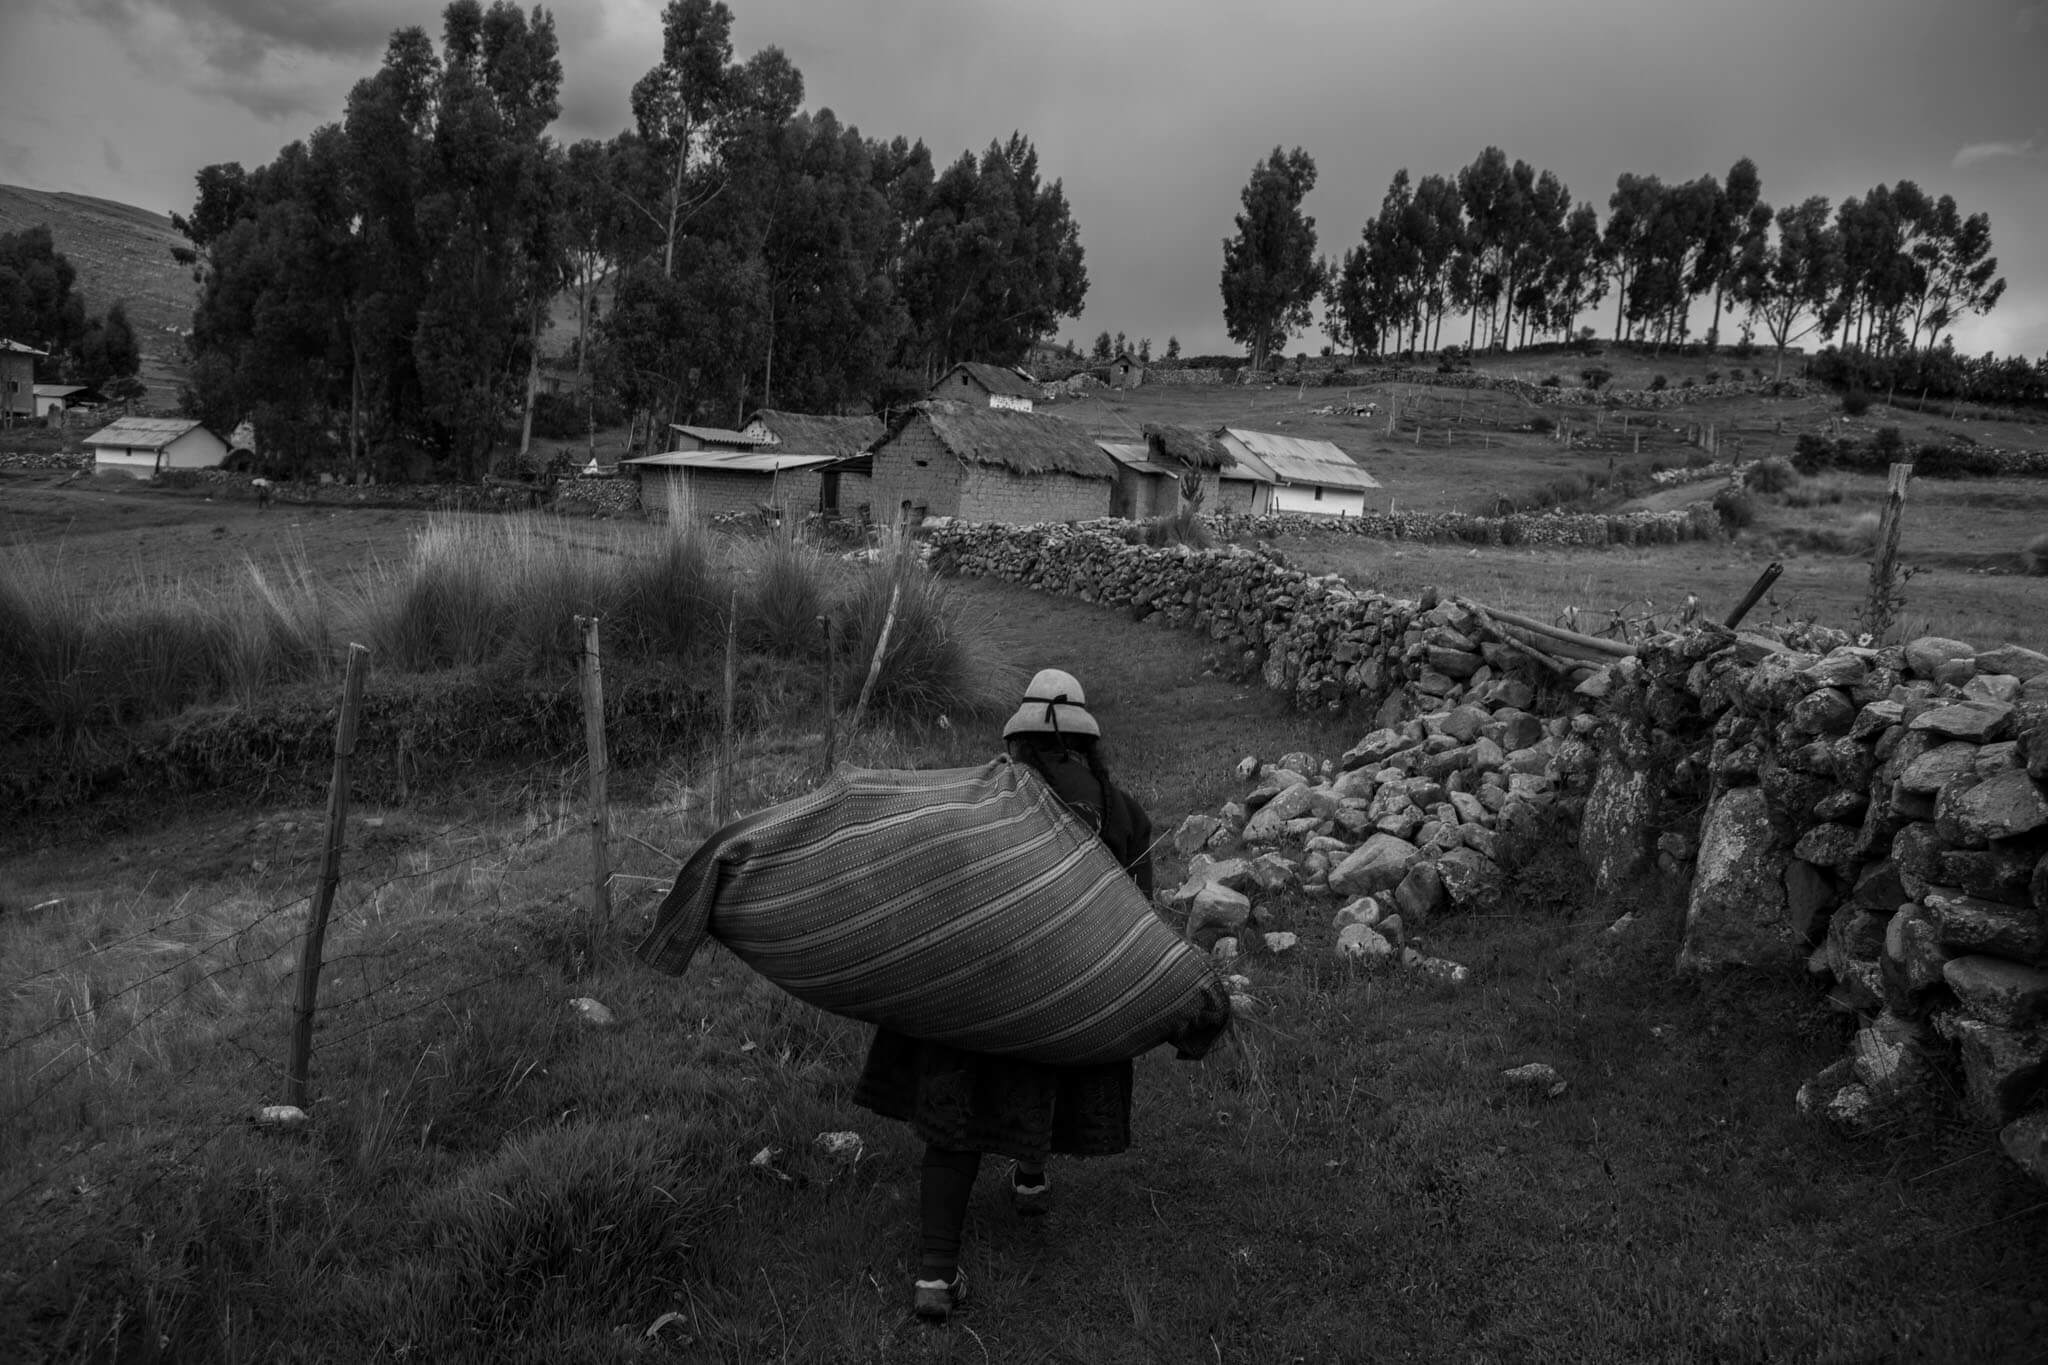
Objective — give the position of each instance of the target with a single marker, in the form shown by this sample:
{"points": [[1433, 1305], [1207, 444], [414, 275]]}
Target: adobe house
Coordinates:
{"points": [[985, 386], [1228, 483], [986, 464], [146, 446], [831, 439], [776, 460], [1144, 487]]}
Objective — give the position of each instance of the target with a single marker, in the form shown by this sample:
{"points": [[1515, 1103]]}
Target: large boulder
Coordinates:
{"points": [[1614, 832], [1737, 915]]}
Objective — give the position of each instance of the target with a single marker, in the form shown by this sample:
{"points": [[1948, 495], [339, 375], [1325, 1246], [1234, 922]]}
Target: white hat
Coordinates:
{"points": [[1053, 704]]}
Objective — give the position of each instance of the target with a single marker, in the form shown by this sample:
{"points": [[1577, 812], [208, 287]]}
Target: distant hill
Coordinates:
{"points": [[121, 252]]}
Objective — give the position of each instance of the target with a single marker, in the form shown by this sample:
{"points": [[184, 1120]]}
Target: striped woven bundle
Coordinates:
{"points": [[963, 906]]}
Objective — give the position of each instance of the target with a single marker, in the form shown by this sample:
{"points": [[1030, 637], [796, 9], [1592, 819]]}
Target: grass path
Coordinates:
{"points": [[1351, 1180]]}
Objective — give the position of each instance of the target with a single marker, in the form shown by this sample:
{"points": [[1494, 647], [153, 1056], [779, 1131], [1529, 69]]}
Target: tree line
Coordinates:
{"points": [[1504, 244], [378, 294], [40, 308]]}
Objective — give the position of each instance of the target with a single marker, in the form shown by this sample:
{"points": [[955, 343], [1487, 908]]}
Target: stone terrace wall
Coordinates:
{"points": [[1587, 529], [1320, 642], [1878, 815]]}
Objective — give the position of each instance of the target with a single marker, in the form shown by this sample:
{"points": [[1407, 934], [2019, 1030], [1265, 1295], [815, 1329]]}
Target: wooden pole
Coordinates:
{"points": [[831, 699], [867, 689], [298, 1073], [1756, 590], [590, 678], [1878, 609], [723, 809]]}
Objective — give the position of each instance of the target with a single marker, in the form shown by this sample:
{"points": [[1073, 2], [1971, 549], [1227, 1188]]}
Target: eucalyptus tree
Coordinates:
{"points": [[1271, 273]]}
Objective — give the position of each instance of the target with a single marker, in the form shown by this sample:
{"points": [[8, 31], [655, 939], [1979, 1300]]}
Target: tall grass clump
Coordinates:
{"points": [[783, 592], [505, 591], [939, 661], [75, 655]]}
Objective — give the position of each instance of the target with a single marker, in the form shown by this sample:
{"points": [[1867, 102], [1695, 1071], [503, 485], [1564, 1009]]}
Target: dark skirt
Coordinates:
{"points": [[971, 1101]]}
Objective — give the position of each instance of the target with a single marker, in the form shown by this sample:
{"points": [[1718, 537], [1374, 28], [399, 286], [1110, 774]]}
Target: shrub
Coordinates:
{"points": [[1658, 383], [1735, 508], [1770, 476], [1811, 453], [1855, 403], [1697, 458], [1184, 527], [1594, 377], [1689, 383], [1551, 381], [1713, 376], [1542, 424]]}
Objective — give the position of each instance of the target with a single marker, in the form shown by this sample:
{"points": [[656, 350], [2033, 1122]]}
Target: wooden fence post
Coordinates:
{"points": [[1878, 608], [1756, 591], [590, 675], [723, 809], [299, 1070], [831, 700]]}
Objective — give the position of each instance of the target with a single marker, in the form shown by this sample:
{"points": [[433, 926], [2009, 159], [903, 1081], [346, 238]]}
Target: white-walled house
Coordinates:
{"points": [[145, 446], [1309, 476]]}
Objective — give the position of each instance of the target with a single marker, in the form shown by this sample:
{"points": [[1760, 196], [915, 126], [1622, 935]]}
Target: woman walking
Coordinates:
{"points": [[968, 1104]]}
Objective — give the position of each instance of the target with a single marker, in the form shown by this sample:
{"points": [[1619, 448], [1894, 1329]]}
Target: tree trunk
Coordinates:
{"points": [[532, 379]]}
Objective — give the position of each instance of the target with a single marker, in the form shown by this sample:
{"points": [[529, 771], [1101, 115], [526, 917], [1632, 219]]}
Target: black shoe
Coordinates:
{"points": [[935, 1300]]}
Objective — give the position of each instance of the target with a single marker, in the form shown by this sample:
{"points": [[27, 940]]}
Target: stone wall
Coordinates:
{"points": [[1877, 816], [1697, 522], [1319, 641]]}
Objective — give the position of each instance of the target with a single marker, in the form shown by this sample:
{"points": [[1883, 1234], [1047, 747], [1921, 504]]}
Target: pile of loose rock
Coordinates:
{"points": [[1403, 829]]}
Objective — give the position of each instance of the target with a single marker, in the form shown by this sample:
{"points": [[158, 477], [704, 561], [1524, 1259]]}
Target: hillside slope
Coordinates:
{"points": [[120, 252]]}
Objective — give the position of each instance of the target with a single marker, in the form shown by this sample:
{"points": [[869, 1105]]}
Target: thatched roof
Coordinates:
{"points": [[994, 378], [1021, 442], [804, 433], [1191, 446]]}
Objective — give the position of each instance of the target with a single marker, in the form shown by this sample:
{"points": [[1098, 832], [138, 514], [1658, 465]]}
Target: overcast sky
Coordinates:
{"points": [[1153, 112]]}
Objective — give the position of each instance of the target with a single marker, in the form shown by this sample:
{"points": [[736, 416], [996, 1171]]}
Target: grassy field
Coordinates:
{"points": [[1960, 541], [1477, 446], [1350, 1179]]}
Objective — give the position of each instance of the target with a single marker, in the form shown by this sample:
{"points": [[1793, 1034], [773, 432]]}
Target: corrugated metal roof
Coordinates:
{"points": [[58, 390], [1296, 459], [147, 433], [18, 348], [1137, 457], [738, 462], [725, 437]]}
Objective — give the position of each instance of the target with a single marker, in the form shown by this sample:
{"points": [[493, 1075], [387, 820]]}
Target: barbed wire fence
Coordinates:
{"points": [[235, 996]]}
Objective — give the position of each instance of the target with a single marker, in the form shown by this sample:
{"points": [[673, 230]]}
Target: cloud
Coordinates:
{"points": [[241, 35], [112, 157], [2031, 18], [1977, 153]]}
